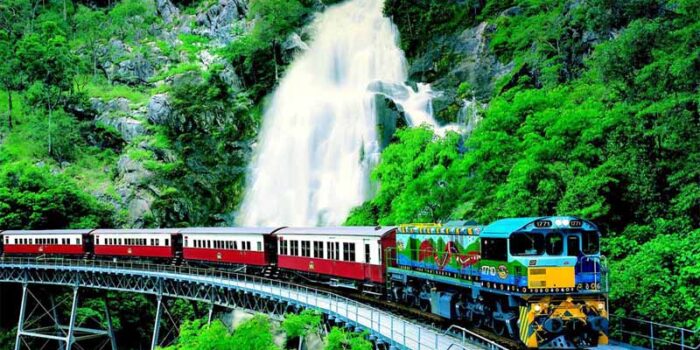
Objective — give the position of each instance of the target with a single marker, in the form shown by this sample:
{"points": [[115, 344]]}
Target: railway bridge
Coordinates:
{"points": [[215, 287]]}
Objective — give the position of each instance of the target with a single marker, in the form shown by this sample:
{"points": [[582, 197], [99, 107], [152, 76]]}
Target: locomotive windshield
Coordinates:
{"points": [[527, 244], [536, 243]]}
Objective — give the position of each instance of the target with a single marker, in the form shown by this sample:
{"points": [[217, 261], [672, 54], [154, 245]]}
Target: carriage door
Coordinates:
{"points": [[366, 258], [270, 245]]}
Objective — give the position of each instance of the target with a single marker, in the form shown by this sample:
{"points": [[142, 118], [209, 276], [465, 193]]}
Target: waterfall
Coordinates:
{"points": [[319, 137]]}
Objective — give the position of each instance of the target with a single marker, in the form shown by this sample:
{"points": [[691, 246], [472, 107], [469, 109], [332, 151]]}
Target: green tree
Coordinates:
{"points": [[33, 198], [49, 66], [340, 339], [254, 334], [298, 326], [14, 15], [89, 23]]}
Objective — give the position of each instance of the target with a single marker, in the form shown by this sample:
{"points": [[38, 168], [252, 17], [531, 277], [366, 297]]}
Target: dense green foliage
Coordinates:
{"points": [[33, 198], [340, 339], [606, 129], [253, 334]]}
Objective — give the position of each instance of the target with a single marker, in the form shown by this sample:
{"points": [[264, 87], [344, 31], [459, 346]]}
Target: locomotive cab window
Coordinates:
{"points": [[555, 244], [573, 245], [527, 244], [590, 242], [494, 248]]}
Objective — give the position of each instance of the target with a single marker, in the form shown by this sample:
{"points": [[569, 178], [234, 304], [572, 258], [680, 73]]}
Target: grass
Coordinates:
{"points": [[105, 91]]}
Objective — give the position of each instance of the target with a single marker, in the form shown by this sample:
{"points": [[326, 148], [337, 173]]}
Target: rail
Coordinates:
{"points": [[162, 279], [653, 335], [473, 337]]}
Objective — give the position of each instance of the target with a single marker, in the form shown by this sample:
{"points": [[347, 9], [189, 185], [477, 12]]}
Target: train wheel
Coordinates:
{"points": [[499, 327], [477, 321], [424, 305]]}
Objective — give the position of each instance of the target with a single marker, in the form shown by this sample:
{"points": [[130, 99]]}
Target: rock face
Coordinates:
{"points": [[120, 64], [118, 114], [132, 189], [218, 21], [167, 10], [292, 46], [471, 61]]}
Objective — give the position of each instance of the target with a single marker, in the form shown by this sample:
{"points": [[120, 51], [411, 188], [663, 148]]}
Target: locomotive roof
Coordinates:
{"points": [[228, 230], [46, 232], [145, 231], [504, 227], [370, 231]]}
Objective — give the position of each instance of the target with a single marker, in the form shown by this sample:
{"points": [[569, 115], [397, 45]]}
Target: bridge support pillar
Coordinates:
{"points": [[45, 324], [22, 310], [211, 313], [110, 329], [156, 325], [70, 338], [59, 332]]}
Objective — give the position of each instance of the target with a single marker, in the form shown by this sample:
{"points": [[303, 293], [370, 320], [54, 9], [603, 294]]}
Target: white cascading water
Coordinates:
{"points": [[319, 138]]}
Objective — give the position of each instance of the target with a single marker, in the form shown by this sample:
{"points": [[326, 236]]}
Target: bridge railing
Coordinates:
{"points": [[393, 329], [652, 335]]}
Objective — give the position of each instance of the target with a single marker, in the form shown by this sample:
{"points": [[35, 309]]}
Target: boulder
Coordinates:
{"points": [[167, 11], [292, 46], [159, 110], [117, 114], [137, 70]]}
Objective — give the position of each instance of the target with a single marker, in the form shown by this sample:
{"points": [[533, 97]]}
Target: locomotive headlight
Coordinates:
{"points": [[601, 306], [538, 308], [558, 222], [565, 222]]}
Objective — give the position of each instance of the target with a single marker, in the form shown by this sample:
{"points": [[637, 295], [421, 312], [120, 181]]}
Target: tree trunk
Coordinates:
{"points": [[49, 129], [9, 108]]}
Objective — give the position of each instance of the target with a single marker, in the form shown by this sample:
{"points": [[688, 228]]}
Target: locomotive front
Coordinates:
{"points": [[560, 275], [540, 281]]}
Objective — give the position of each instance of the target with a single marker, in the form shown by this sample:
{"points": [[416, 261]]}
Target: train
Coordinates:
{"points": [[540, 281]]}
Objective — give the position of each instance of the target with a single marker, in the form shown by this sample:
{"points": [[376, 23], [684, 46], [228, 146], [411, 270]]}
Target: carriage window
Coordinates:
{"points": [[527, 244], [555, 244], [167, 241], [333, 250], [367, 256], [573, 245], [77, 241], [259, 244], [305, 248], [295, 248], [349, 251], [318, 250], [283, 247], [591, 242], [494, 249]]}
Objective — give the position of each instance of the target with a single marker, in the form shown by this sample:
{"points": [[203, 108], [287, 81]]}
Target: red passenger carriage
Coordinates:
{"points": [[336, 254], [148, 243], [50, 242], [230, 245]]}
